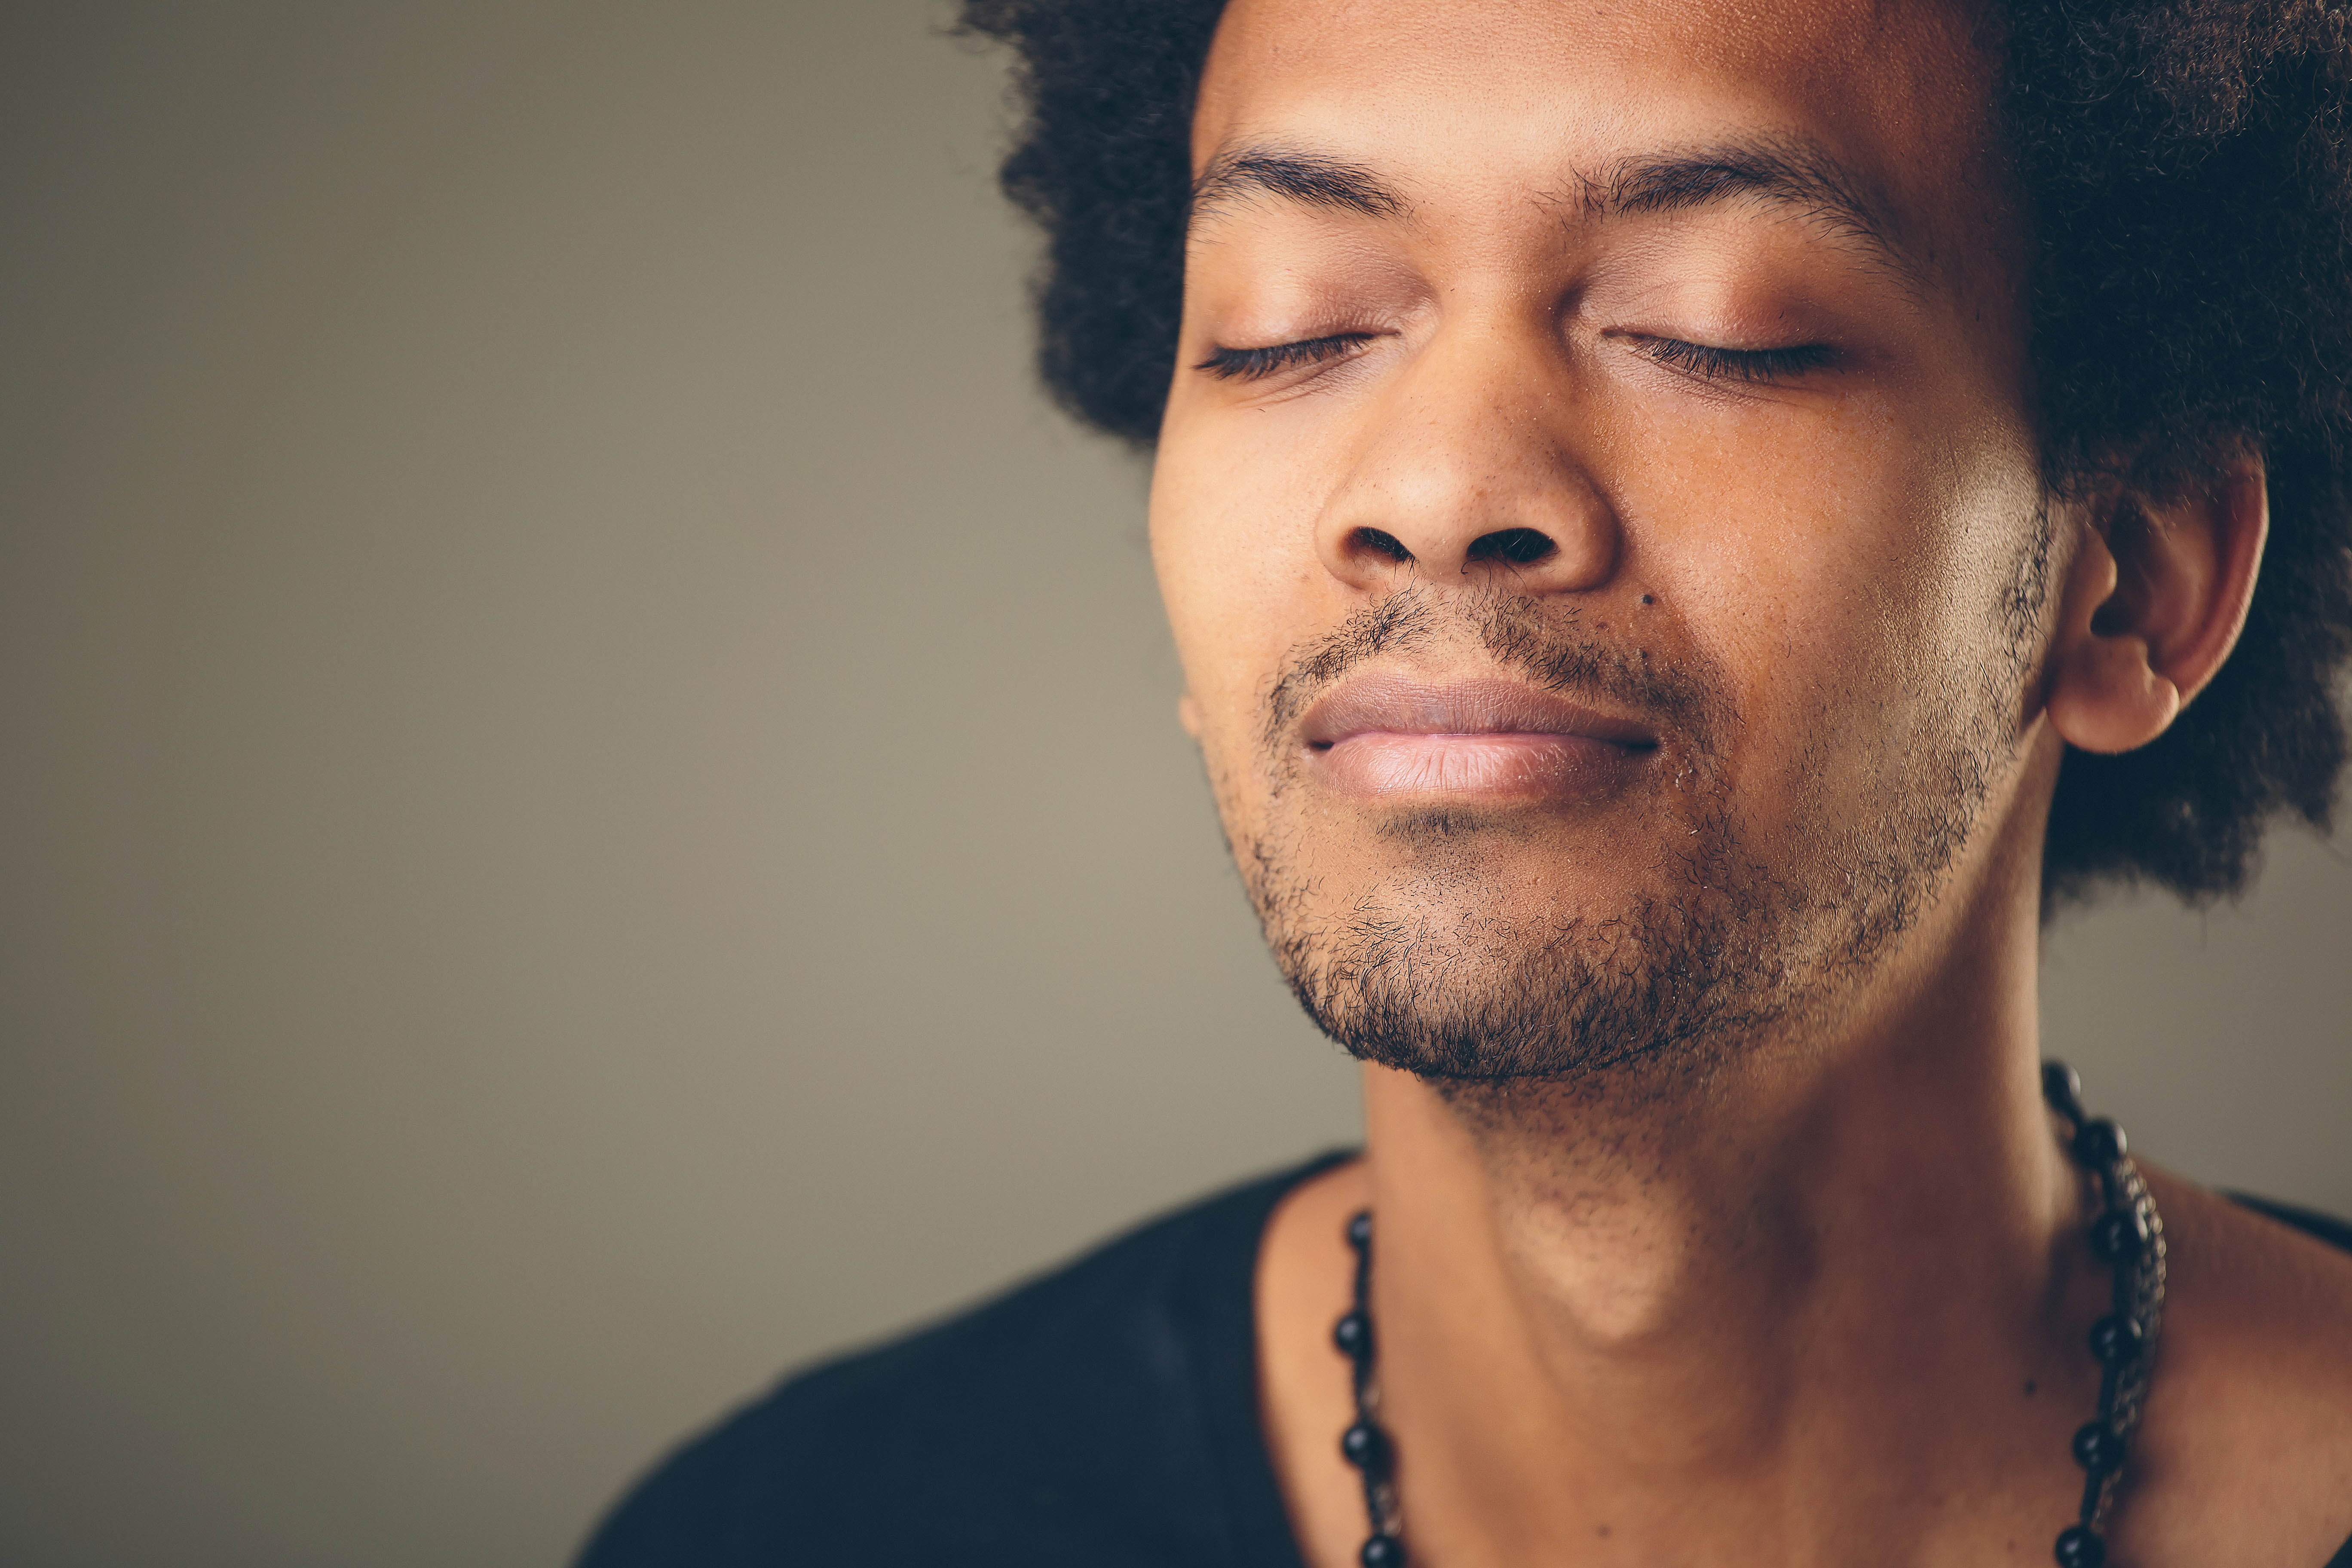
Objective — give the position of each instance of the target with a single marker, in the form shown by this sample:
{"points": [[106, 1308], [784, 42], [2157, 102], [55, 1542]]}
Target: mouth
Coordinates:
{"points": [[1389, 736]]}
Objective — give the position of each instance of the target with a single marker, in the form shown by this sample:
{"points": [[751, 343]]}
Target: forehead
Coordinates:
{"points": [[1475, 100]]}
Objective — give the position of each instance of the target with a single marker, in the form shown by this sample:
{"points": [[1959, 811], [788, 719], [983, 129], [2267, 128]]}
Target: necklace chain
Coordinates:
{"points": [[2127, 1234]]}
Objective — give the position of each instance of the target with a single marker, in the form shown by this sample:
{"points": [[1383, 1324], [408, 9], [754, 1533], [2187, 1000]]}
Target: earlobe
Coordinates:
{"points": [[2153, 603], [1188, 714], [2106, 696]]}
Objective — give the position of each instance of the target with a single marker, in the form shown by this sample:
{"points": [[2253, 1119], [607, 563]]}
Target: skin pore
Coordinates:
{"points": [[1633, 650]]}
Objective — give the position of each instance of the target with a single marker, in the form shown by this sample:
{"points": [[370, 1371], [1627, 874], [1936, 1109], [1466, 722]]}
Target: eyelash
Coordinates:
{"points": [[1737, 364], [1254, 364], [1701, 360]]}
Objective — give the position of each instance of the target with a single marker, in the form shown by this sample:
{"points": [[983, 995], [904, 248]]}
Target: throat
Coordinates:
{"points": [[1675, 1318], [1623, 1271]]}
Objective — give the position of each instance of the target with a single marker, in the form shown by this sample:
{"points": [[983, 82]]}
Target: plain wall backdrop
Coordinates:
{"points": [[592, 801]]}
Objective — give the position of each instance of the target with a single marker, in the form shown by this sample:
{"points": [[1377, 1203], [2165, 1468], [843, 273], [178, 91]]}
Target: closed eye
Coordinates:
{"points": [[1252, 364], [1711, 364], [1702, 359]]}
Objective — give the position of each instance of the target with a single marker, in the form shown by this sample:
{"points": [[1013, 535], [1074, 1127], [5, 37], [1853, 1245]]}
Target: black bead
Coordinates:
{"points": [[2079, 1547], [1359, 1229], [2117, 1237], [2115, 1340], [1353, 1334], [2061, 1087], [1366, 1446], [2098, 1447], [1383, 1552], [2099, 1144]]}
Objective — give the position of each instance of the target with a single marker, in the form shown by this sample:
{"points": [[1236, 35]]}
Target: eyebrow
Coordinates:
{"points": [[1788, 173], [1308, 179]]}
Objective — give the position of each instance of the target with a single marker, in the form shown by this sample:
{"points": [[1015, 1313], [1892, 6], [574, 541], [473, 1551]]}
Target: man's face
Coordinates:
{"points": [[1595, 506]]}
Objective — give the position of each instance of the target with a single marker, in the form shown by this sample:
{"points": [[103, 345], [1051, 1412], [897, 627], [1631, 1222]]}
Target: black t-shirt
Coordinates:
{"points": [[1103, 1416]]}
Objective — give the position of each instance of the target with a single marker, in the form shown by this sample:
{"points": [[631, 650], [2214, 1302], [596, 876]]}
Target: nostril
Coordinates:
{"points": [[1386, 545], [1519, 546]]}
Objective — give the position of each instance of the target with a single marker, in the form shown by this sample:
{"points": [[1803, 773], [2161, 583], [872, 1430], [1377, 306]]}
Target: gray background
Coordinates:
{"points": [[592, 801]]}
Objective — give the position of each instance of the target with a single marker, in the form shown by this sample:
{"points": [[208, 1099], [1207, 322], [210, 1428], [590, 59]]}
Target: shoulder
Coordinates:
{"points": [[2247, 1445], [1071, 1419]]}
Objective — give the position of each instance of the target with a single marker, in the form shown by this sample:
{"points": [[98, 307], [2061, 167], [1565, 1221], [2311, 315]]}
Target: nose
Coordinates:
{"points": [[1466, 469]]}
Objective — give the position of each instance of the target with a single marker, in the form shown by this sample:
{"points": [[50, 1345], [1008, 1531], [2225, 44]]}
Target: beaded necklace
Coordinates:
{"points": [[2127, 1236]]}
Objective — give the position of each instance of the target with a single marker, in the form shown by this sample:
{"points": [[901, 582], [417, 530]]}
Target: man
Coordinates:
{"points": [[1688, 525]]}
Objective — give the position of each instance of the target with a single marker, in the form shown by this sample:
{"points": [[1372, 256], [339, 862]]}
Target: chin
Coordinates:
{"points": [[1433, 972], [1460, 874]]}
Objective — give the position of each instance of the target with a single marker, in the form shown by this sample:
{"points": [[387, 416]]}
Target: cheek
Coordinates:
{"points": [[1232, 545], [1839, 556], [1213, 594]]}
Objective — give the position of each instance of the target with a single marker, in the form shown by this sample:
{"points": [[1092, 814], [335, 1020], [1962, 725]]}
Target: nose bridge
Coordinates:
{"points": [[1469, 464]]}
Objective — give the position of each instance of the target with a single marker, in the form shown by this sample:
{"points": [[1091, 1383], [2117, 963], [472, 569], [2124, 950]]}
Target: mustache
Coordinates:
{"points": [[1547, 646]]}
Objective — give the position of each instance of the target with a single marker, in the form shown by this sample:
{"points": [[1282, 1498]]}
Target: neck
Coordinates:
{"points": [[1695, 1308]]}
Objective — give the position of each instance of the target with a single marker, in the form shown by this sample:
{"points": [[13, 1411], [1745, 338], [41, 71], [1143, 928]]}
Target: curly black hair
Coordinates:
{"points": [[2185, 167]]}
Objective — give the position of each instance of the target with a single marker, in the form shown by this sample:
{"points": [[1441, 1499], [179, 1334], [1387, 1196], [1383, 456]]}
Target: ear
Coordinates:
{"points": [[2153, 603], [1188, 714]]}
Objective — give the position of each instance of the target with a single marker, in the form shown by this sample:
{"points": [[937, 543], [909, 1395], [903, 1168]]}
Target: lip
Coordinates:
{"points": [[1385, 735]]}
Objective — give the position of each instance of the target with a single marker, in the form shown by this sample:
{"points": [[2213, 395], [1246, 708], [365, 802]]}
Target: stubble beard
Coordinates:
{"points": [[1429, 973]]}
